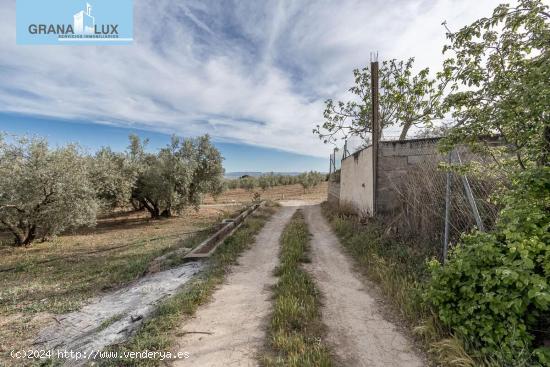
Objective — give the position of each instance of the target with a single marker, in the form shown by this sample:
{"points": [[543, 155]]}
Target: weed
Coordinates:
{"points": [[295, 330]]}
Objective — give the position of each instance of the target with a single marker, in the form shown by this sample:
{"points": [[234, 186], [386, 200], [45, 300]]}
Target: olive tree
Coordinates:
{"points": [[113, 177], [248, 183], [406, 99], [43, 191], [310, 179], [177, 176]]}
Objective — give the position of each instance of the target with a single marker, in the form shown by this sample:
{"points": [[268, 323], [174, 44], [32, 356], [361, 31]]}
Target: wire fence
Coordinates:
{"points": [[336, 159], [439, 202]]}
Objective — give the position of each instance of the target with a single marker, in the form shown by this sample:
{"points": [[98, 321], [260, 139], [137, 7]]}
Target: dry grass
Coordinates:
{"points": [[60, 275], [288, 192]]}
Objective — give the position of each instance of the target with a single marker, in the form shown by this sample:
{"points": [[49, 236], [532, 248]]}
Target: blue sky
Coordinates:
{"points": [[252, 74], [238, 157]]}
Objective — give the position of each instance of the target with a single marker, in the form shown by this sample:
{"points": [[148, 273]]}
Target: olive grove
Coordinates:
{"points": [[45, 191]]}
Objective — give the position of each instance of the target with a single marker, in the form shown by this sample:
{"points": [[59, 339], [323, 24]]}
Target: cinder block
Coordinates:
{"points": [[392, 163]]}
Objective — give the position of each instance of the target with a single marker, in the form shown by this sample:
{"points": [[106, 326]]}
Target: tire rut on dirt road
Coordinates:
{"points": [[357, 332], [234, 320]]}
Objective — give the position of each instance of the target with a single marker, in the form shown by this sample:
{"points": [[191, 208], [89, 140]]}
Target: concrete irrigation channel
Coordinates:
{"points": [[113, 317]]}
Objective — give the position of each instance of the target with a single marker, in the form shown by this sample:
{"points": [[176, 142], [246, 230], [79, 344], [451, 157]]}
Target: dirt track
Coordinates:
{"points": [[232, 327], [234, 320], [357, 332]]}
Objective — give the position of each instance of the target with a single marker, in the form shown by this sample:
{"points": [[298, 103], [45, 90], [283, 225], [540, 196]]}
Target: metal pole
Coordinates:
{"points": [[471, 199], [447, 210], [375, 131], [345, 149]]}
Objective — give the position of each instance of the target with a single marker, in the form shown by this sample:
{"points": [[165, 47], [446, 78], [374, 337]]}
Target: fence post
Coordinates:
{"points": [[345, 149], [471, 200], [375, 131], [334, 152], [447, 209]]}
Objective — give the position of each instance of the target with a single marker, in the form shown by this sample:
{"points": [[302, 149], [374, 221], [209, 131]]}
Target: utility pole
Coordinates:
{"points": [[375, 129]]}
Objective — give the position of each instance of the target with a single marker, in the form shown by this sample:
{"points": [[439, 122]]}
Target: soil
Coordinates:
{"points": [[276, 193], [230, 331], [357, 332]]}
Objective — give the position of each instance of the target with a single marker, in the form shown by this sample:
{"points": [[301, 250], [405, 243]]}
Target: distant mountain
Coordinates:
{"points": [[257, 174]]}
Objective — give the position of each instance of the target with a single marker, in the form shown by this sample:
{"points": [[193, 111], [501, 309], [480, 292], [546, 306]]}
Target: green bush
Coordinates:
{"points": [[494, 290]]}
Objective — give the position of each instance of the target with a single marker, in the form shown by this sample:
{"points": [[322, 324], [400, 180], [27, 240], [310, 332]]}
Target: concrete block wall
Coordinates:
{"points": [[396, 159], [356, 184]]}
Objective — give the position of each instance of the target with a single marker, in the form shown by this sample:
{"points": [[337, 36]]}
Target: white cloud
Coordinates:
{"points": [[254, 72]]}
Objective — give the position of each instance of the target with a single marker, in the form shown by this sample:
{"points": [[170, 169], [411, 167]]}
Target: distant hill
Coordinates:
{"points": [[257, 174]]}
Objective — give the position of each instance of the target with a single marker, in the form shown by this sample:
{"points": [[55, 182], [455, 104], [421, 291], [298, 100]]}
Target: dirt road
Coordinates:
{"points": [[357, 332], [231, 328]]}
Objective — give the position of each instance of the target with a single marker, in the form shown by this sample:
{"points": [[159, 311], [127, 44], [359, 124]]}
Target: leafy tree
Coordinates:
{"points": [[495, 288], [500, 72], [406, 99], [207, 176], [232, 184], [113, 177], [415, 97], [43, 191], [177, 176]]}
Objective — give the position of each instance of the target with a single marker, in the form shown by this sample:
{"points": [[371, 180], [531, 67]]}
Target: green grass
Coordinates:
{"points": [[295, 331], [401, 273], [157, 332]]}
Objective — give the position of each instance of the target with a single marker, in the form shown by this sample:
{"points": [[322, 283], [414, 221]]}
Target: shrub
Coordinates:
{"points": [[494, 290]]}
